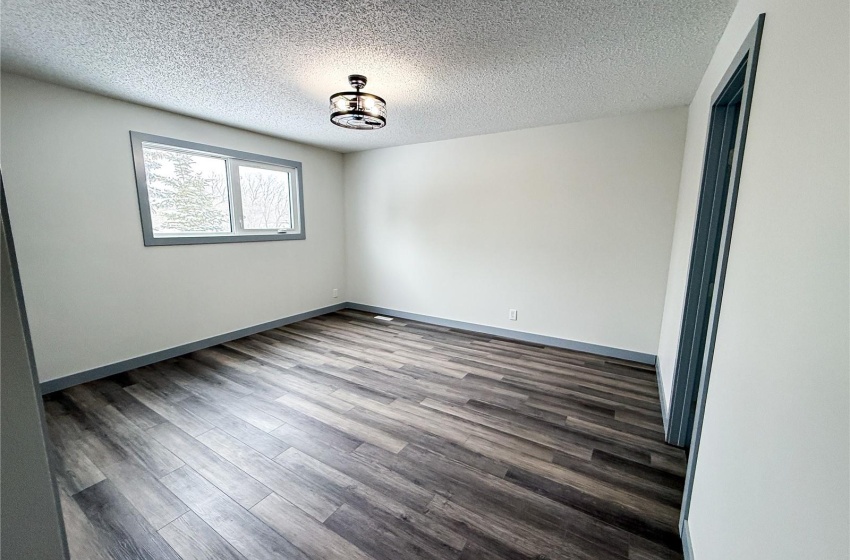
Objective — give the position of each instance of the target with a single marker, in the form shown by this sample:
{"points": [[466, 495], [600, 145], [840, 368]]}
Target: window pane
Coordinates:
{"points": [[187, 191], [265, 198]]}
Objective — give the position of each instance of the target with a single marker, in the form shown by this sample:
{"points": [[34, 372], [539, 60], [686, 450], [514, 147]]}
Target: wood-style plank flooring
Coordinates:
{"points": [[346, 437]]}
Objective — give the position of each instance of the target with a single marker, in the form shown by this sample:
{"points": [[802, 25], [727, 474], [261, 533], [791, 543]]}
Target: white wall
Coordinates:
{"points": [[571, 225], [94, 293], [773, 469]]}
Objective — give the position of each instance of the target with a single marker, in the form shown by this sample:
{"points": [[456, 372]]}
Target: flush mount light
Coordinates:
{"points": [[358, 110]]}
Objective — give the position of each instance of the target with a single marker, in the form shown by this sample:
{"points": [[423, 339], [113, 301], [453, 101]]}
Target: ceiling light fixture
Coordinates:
{"points": [[358, 110]]}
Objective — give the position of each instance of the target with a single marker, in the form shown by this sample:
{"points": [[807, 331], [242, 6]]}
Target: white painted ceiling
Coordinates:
{"points": [[447, 68]]}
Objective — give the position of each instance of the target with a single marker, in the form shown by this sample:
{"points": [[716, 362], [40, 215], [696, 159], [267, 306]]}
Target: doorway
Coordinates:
{"points": [[727, 132]]}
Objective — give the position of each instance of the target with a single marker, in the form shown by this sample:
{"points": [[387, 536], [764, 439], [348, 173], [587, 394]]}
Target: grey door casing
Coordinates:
{"points": [[727, 133]]}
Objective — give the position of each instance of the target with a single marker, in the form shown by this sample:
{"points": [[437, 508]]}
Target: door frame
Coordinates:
{"points": [[736, 87], [25, 386]]}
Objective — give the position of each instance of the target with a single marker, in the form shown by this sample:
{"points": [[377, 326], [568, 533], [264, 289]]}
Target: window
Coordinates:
{"points": [[193, 193]]}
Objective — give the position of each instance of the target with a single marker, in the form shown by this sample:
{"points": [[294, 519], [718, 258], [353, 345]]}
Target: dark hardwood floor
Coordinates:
{"points": [[346, 437]]}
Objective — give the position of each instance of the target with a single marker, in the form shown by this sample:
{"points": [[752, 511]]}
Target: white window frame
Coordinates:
{"points": [[233, 160], [233, 166]]}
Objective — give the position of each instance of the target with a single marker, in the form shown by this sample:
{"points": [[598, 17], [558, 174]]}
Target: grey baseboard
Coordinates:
{"points": [[687, 546], [66, 381], [664, 412], [597, 349], [111, 369]]}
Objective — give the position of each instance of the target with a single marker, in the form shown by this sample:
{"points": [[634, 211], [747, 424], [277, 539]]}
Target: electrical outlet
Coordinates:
{"points": [[512, 314], [336, 293]]}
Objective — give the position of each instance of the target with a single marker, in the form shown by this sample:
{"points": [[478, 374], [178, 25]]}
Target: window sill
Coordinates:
{"points": [[203, 240]]}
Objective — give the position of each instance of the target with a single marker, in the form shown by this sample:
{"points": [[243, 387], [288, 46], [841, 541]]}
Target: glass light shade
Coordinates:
{"points": [[354, 109], [358, 110]]}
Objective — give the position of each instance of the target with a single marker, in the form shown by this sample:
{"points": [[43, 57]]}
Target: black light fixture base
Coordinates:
{"points": [[357, 81]]}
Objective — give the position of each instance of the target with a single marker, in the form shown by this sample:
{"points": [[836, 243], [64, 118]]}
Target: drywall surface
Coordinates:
{"points": [[30, 523], [570, 225], [96, 295], [772, 475]]}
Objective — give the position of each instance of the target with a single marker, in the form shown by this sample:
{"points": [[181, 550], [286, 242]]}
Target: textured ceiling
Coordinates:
{"points": [[447, 68]]}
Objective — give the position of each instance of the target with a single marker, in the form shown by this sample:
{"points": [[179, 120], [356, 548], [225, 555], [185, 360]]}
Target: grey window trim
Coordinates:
{"points": [[136, 140]]}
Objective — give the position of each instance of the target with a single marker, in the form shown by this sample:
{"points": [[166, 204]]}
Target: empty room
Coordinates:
{"points": [[458, 280]]}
